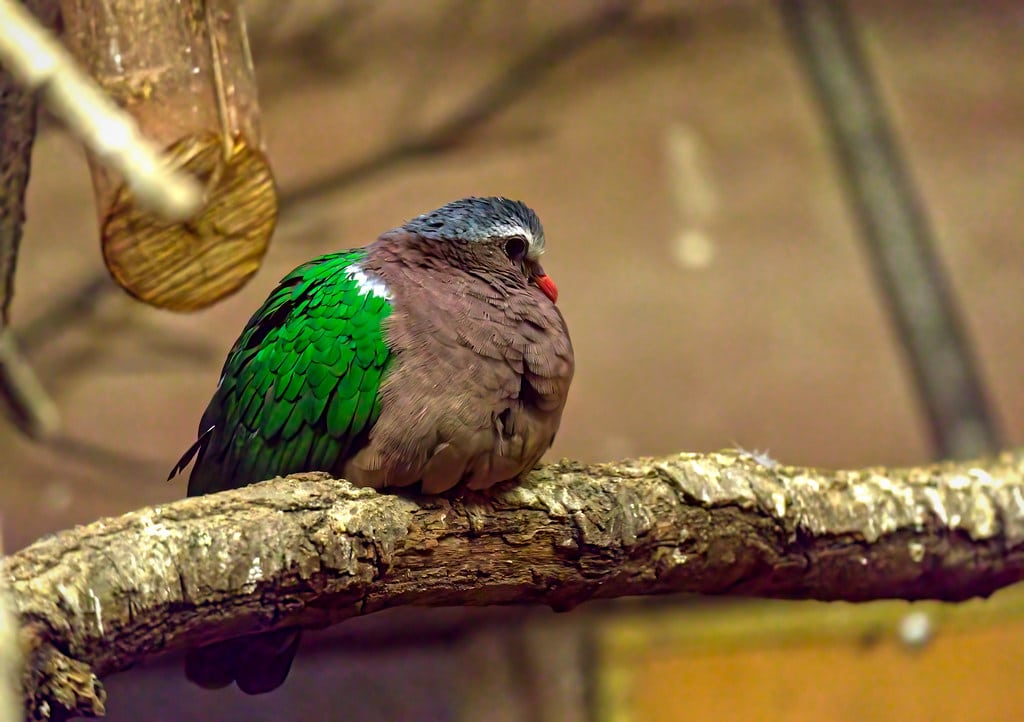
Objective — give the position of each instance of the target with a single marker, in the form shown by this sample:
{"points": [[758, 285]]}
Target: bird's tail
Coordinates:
{"points": [[258, 663], [196, 448]]}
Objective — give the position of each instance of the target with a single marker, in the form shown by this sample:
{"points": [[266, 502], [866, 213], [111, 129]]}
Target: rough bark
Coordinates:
{"points": [[312, 550], [17, 133], [11, 660], [19, 387]]}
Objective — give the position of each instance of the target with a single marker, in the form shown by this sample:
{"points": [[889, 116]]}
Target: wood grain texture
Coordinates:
{"points": [[313, 551]]}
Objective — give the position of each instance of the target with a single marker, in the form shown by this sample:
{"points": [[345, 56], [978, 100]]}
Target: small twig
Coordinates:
{"points": [[73, 307], [25, 394], [39, 61]]}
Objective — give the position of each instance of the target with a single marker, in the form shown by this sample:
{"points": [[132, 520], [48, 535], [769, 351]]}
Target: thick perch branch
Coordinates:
{"points": [[314, 551]]}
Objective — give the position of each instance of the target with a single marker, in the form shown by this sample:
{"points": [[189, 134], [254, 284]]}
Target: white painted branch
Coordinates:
{"points": [[39, 61]]}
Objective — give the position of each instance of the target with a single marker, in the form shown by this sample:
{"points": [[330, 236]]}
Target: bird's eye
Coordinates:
{"points": [[515, 249]]}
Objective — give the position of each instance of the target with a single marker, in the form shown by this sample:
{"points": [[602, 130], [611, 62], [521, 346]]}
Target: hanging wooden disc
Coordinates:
{"points": [[191, 265]]}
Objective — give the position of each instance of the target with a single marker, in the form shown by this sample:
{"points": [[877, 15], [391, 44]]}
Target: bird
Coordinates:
{"points": [[432, 359]]}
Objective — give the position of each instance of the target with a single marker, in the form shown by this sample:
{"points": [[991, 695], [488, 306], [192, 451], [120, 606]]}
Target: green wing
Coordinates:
{"points": [[300, 388]]}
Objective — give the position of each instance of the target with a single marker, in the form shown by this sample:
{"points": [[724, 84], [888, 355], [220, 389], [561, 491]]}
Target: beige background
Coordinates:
{"points": [[712, 277]]}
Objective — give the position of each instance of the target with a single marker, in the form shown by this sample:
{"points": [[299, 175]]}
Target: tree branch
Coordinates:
{"points": [[31, 406], [37, 59], [11, 661], [312, 551]]}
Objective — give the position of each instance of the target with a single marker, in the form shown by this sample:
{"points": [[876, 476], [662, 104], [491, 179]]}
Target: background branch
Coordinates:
{"points": [[313, 551], [31, 406], [503, 90]]}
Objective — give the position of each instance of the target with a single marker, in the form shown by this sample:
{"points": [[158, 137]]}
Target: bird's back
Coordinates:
{"points": [[299, 389]]}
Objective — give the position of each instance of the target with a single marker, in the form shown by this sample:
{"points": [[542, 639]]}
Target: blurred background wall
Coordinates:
{"points": [[718, 281]]}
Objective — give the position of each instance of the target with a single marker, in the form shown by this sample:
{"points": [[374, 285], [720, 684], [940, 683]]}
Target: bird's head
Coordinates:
{"points": [[491, 237]]}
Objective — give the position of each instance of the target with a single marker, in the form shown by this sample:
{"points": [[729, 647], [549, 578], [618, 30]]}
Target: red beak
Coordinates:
{"points": [[547, 286]]}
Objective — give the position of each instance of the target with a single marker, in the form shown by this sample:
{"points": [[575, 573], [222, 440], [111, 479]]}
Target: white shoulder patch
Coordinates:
{"points": [[367, 284]]}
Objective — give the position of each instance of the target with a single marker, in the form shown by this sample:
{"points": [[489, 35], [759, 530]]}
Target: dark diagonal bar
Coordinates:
{"points": [[895, 229]]}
